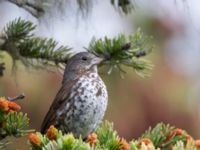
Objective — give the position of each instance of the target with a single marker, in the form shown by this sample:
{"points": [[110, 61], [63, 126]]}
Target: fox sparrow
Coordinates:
{"points": [[80, 104]]}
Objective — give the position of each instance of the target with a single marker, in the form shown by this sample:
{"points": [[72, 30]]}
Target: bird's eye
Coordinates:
{"points": [[84, 58]]}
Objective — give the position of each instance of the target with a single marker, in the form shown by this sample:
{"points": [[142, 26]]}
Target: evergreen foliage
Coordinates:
{"points": [[155, 136], [124, 51], [21, 43], [12, 122], [161, 137]]}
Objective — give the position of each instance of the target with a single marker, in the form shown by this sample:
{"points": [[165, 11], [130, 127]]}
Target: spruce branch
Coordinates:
{"points": [[37, 7], [124, 51], [163, 136], [106, 138], [125, 6], [17, 124], [158, 134], [180, 145], [18, 30], [33, 7], [43, 50], [85, 6], [12, 122], [21, 43], [38, 141], [19, 97]]}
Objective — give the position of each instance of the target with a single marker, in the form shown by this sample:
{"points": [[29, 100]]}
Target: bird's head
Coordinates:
{"points": [[82, 62]]}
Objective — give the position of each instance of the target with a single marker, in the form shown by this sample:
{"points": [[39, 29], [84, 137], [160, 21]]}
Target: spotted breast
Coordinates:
{"points": [[85, 107]]}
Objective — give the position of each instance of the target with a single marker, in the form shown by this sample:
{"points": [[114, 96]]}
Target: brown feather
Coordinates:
{"points": [[60, 98]]}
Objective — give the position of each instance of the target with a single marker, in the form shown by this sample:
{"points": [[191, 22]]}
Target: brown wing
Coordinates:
{"points": [[60, 98]]}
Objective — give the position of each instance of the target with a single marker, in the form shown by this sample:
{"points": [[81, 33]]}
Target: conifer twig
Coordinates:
{"points": [[124, 51], [161, 137], [19, 97], [32, 8], [36, 8], [12, 121], [20, 42]]}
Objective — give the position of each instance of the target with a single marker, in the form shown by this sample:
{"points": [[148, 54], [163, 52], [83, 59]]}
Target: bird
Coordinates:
{"points": [[81, 102]]}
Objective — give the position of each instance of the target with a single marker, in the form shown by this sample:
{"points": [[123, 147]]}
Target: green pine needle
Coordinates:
{"points": [[18, 29], [158, 134], [22, 44], [45, 50], [108, 139], [17, 124], [124, 51], [106, 135], [180, 145], [12, 123]]}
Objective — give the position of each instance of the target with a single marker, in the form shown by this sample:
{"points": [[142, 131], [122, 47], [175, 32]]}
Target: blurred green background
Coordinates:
{"points": [[169, 95]]}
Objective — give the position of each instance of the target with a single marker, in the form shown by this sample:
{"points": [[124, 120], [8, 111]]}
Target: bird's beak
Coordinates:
{"points": [[97, 60]]}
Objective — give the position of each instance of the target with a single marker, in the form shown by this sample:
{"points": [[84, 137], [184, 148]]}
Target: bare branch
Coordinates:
{"points": [[33, 8], [19, 97]]}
